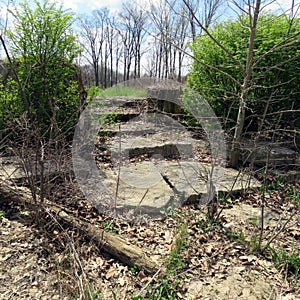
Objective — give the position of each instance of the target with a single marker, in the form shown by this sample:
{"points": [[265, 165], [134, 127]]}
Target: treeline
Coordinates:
{"points": [[141, 41]]}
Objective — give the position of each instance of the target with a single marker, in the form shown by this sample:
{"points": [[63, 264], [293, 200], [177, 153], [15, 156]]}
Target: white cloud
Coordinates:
{"points": [[283, 6], [87, 6], [3, 13]]}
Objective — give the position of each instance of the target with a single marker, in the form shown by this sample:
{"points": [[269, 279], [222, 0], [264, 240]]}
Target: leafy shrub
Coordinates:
{"points": [[10, 102], [218, 78], [94, 91], [43, 50]]}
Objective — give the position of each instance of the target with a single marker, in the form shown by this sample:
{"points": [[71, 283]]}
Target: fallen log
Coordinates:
{"points": [[111, 243]]}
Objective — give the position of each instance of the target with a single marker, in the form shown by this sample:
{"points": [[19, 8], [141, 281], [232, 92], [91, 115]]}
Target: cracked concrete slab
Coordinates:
{"points": [[143, 185]]}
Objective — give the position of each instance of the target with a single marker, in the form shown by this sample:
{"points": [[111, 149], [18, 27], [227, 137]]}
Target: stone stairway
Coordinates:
{"points": [[151, 166]]}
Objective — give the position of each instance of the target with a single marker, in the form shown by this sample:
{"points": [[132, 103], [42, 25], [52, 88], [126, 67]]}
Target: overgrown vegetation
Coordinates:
{"points": [[41, 79], [244, 68], [218, 78]]}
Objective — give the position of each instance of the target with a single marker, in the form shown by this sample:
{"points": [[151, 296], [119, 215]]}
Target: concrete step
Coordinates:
{"points": [[153, 187], [14, 169]]}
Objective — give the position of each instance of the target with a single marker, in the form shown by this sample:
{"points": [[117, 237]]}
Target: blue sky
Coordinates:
{"points": [[86, 6]]}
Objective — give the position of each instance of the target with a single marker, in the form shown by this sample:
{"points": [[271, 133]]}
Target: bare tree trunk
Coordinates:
{"points": [[235, 148], [105, 66], [128, 70], [160, 62], [139, 61], [117, 65], [111, 56], [96, 73], [125, 64], [179, 78]]}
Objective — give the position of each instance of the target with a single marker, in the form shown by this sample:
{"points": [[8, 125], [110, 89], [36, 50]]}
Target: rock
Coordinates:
{"points": [[153, 188], [291, 176], [266, 152], [166, 146], [167, 98], [12, 168], [153, 166], [252, 215]]}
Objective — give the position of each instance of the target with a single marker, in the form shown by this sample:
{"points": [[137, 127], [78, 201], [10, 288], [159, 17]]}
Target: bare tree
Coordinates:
{"points": [[132, 21], [117, 54], [93, 37], [174, 27], [248, 70], [111, 33], [207, 11], [162, 19], [180, 41]]}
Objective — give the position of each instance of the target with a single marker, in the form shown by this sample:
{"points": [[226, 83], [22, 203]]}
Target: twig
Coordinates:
{"points": [[148, 283], [119, 174], [76, 257]]}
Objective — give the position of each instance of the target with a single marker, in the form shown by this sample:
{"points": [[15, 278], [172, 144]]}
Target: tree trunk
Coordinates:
{"points": [[236, 143], [96, 73]]}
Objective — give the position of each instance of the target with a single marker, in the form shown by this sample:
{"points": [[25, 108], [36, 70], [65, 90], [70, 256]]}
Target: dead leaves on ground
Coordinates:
{"points": [[217, 261]]}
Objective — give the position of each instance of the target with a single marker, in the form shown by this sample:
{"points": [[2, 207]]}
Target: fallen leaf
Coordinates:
{"points": [[110, 273]]}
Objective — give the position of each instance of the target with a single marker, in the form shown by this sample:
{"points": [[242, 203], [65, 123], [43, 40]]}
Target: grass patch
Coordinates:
{"points": [[109, 226], [235, 235], [134, 270], [163, 290], [116, 91], [167, 287], [120, 90], [2, 214], [175, 262], [289, 262]]}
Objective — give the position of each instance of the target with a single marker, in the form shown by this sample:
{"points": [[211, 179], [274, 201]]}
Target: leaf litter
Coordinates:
{"points": [[39, 263]]}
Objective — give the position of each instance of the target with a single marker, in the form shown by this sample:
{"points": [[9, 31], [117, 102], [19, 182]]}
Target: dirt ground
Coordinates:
{"points": [[43, 259]]}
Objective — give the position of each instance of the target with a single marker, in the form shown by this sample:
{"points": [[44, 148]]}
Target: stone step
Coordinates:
{"points": [[12, 168], [153, 187], [153, 144], [149, 135], [263, 153]]}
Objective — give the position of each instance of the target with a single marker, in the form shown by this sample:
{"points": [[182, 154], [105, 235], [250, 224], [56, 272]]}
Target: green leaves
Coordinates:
{"points": [[43, 31], [219, 78], [44, 47]]}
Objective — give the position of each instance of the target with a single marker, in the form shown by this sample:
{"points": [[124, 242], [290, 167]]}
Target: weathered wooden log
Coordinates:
{"points": [[109, 242], [115, 245]]}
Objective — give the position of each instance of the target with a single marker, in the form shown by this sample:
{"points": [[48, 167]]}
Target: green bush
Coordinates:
{"points": [[217, 77], [43, 51], [10, 102], [94, 91]]}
